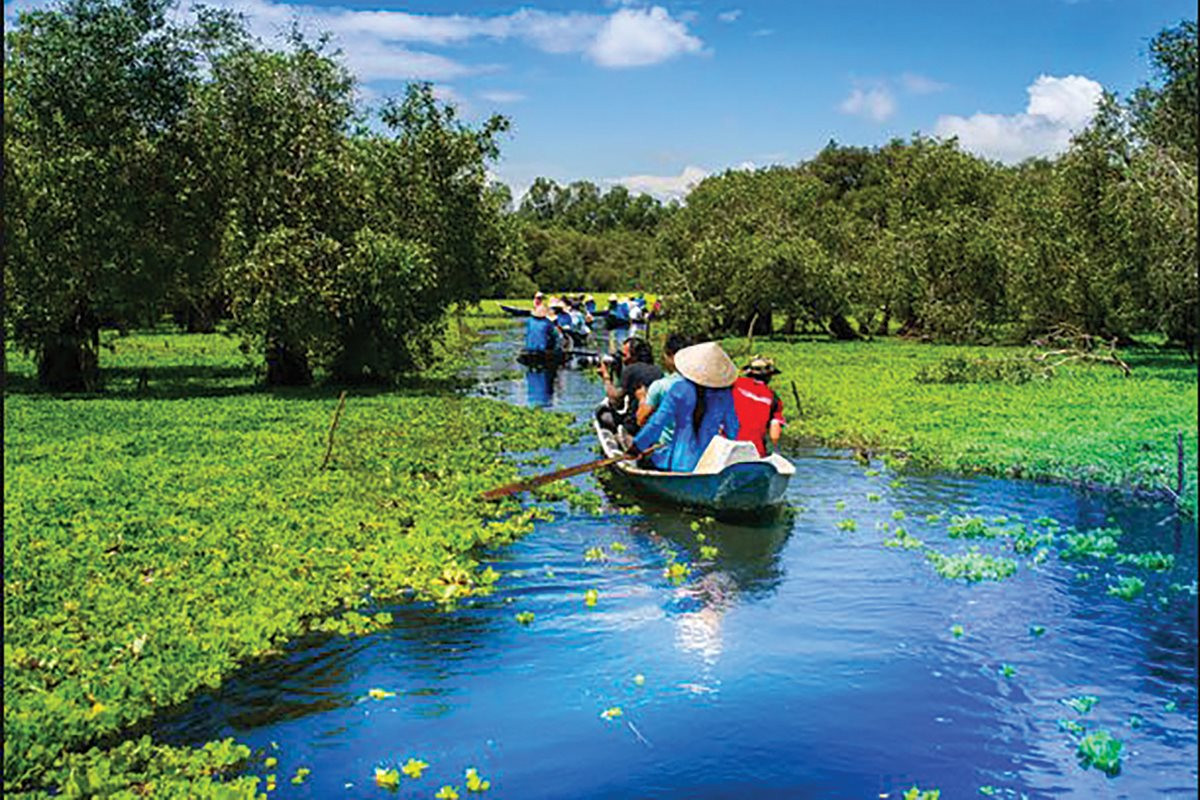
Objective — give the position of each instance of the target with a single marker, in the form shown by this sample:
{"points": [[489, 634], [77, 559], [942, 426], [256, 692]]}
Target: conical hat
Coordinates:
{"points": [[706, 364]]}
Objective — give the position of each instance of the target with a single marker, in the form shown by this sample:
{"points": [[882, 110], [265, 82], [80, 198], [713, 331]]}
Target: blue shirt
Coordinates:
{"points": [[687, 445], [540, 334], [619, 311]]}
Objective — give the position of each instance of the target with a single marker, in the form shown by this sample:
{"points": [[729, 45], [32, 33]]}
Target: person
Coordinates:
{"points": [[759, 409], [541, 335], [650, 398], [579, 324], [617, 311], [589, 305], [699, 407], [638, 372]]}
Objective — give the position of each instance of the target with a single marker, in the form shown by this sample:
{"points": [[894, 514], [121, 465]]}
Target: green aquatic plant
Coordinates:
{"points": [[916, 793], [872, 497], [989, 790], [677, 571], [1170, 705], [1102, 751], [1082, 704], [590, 597], [301, 774], [871, 473], [1100, 543], [414, 767], [898, 514], [379, 694], [525, 617], [840, 505], [387, 778], [971, 566], [594, 554], [1008, 670], [639, 679], [611, 713], [1128, 587], [1154, 560], [617, 547], [447, 793], [708, 552], [957, 631], [901, 538], [1026, 541], [1070, 726], [270, 761], [847, 525], [476, 783], [933, 517], [1037, 630]]}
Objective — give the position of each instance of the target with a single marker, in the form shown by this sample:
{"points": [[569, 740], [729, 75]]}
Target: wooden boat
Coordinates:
{"points": [[745, 487], [514, 311], [543, 358]]}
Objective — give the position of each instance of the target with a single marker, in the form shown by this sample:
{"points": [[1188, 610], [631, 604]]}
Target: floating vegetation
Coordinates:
{"points": [[916, 793], [590, 597], [847, 525], [611, 713], [1154, 560], [972, 566], [1128, 588], [1026, 541], [1100, 543], [1008, 670], [1070, 726], [639, 679], [447, 793], [872, 497], [898, 514], [1037, 630], [301, 774], [476, 783], [708, 552], [901, 538], [840, 505], [414, 767], [387, 778], [270, 761], [933, 517], [1082, 704], [1170, 705], [594, 554], [617, 547], [957, 631], [379, 694], [677, 571], [525, 617], [271, 785], [871, 473], [989, 790], [972, 528], [1102, 751]]}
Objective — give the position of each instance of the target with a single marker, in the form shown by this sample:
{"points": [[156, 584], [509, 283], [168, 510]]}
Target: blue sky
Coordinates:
{"points": [[656, 95]]}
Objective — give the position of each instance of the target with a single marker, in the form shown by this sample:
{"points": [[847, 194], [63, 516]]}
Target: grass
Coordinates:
{"points": [[1087, 425], [158, 536]]}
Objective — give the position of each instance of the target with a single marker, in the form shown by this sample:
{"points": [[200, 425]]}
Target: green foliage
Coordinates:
{"points": [[1154, 560], [1100, 543], [1102, 751], [1128, 588], [214, 538], [971, 566], [1082, 704], [960, 369]]}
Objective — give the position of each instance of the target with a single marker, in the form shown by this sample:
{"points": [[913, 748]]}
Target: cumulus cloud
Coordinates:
{"points": [[1057, 108], [730, 16], [874, 103], [639, 37], [664, 187]]}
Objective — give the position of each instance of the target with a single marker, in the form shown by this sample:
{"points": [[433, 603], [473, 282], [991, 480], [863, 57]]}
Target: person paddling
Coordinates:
{"points": [[700, 406]]}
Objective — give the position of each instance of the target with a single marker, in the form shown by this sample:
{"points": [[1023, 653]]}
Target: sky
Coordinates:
{"points": [[657, 95]]}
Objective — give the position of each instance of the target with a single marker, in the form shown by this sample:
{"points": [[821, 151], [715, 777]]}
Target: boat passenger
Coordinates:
{"points": [[589, 305], [539, 300], [651, 397], [617, 310], [759, 409], [638, 372], [579, 324], [541, 335], [699, 407]]}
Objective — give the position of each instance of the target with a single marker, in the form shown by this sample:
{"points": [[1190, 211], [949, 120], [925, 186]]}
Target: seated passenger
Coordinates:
{"points": [[540, 333], [651, 398], [637, 373], [759, 409], [700, 406]]}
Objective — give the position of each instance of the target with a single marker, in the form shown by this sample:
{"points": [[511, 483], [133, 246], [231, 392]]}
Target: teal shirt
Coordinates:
{"points": [[654, 397]]}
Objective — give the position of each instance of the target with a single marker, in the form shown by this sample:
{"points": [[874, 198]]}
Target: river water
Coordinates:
{"points": [[802, 660]]}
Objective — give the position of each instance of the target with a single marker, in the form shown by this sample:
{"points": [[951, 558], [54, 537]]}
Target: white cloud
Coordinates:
{"points": [[500, 96], [639, 37], [1057, 108], [875, 103], [664, 187], [730, 16], [919, 84]]}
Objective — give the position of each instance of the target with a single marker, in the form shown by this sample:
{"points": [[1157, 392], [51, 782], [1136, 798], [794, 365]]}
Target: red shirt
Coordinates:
{"points": [[756, 406]]}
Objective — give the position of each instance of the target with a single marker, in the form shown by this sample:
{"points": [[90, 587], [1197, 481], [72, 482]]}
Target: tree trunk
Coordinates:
{"points": [[789, 325], [882, 330], [840, 329], [68, 363], [287, 366]]}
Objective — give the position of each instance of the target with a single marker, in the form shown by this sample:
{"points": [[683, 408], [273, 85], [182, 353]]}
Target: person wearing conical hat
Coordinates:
{"points": [[700, 406], [541, 335], [759, 409]]}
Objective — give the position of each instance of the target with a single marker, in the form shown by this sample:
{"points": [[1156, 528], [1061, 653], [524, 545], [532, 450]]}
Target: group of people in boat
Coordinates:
{"points": [[566, 322], [673, 416]]}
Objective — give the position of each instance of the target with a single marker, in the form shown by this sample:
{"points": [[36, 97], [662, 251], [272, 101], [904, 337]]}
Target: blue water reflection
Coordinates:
{"points": [[798, 661]]}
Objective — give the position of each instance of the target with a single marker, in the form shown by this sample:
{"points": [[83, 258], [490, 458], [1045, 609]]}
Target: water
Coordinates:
{"points": [[802, 662]]}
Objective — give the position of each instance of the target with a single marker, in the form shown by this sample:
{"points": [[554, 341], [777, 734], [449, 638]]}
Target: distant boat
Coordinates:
{"points": [[743, 487], [552, 359], [515, 311]]}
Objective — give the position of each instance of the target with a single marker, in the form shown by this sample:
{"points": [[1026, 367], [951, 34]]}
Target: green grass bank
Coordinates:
{"points": [[178, 525], [1087, 424]]}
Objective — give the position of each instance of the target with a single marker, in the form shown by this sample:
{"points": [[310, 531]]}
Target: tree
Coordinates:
{"points": [[1168, 113], [93, 93]]}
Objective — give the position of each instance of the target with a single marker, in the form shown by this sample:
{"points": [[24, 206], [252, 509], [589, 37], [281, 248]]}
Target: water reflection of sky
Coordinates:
{"points": [[803, 661]]}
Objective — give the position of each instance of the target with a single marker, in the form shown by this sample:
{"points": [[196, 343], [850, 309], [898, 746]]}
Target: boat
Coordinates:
{"points": [[553, 359], [740, 486], [514, 311]]}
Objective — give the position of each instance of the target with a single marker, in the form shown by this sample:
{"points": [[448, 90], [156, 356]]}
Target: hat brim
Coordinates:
{"points": [[707, 365]]}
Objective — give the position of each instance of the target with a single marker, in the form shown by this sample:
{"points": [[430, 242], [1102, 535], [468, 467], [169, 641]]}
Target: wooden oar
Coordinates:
{"points": [[531, 483]]}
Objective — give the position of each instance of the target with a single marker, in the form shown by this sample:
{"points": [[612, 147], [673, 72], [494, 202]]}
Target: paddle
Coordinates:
{"points": [[566, 472]]}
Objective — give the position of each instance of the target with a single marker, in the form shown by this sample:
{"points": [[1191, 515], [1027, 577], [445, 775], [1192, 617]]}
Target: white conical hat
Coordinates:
{"points": [[706, 364]]}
